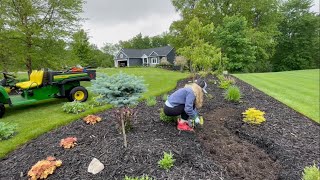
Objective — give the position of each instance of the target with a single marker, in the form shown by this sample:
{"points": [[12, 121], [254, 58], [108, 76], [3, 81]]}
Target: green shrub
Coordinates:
{"points": [[311, 173], [203, 73], [151, 101], [164, 97], [119, 89], [167, 161], [74, 107], [7, 130], [165, 118], [144, 177], [232, 94]]}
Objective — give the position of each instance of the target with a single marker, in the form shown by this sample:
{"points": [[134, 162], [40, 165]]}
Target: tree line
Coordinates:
{"points": [[239, 36]]}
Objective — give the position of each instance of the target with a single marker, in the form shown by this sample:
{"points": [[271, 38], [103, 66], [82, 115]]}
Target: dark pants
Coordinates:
{"points": [[176, 111]]}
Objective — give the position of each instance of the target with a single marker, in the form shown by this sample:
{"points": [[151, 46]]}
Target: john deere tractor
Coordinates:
{"points": [[42, 85]]}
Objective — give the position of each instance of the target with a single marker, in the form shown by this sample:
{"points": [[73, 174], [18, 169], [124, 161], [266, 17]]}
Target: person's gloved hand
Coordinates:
{"points": [[197, 120]]}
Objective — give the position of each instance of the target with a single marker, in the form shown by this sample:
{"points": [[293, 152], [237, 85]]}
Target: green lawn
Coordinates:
{"points": [[297, 89], [36, 119]]}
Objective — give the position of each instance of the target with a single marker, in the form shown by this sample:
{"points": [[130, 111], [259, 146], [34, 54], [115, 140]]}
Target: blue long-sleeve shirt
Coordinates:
{"points": [[184, 96]]}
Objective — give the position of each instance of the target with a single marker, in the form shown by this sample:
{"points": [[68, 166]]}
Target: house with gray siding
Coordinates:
{"points": [[144, 57]]}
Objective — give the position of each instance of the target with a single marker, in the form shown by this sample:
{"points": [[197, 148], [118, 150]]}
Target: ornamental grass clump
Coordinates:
{"points": [[311, 173], [43, 168], [165, 118], [151, 101], [7, 130], [167, 161], [253, 116], [232, 94]]}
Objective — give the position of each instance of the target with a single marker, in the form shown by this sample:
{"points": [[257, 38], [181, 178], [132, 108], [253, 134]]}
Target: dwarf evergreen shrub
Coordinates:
{"points": [[7, 130], [232, 94], [311, 173], [253, 116], [119, 89]]}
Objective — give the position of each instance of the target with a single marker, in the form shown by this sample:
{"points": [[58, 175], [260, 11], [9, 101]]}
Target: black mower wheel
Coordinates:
{"points": [[78, 93], [2, 110]]}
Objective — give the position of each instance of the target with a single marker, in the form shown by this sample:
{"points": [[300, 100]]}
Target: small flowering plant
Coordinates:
{"points": [[68, 143], [42, 169], [92, 119]]}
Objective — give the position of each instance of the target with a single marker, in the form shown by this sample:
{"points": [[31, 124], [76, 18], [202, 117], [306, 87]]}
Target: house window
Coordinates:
{"points": [[154, 60], [121, 55], [145, 60]]}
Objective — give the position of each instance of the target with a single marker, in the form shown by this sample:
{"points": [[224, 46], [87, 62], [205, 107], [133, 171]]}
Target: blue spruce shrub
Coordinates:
{"points": [[119, 89]]}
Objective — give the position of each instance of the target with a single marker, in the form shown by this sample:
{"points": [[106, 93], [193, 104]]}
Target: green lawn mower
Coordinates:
{"points": [[44, 85]]}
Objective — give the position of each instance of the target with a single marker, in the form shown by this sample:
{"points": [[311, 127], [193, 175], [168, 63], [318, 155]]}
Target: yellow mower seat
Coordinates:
{"points": [[35, 80]]}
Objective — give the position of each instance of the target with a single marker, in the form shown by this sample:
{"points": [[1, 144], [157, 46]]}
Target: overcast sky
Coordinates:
{"points": [[114, 20]]}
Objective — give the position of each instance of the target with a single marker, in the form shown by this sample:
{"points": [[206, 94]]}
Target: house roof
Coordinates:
{"points": [[161, 51]]}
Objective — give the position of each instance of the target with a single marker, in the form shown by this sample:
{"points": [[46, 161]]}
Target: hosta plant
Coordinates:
{"points": [[43, 168], [92, 119], [7, 130], [311, 173], [68, 142], [74, 107], [253, 116], [167, 161]]}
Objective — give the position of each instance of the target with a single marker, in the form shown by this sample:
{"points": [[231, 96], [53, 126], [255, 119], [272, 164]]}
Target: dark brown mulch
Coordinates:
{"points": [[224, 148]]}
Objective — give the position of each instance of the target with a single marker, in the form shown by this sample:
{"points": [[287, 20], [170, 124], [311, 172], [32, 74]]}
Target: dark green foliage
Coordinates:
{"points": [[119, 89], [311, 173], [165, 118], [7, 130], [151, 101], [298, 45], [167, 161], [232, 94], [75, 107], [233, 38]]}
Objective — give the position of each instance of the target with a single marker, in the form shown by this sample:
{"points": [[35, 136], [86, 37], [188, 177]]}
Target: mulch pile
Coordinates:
{"points": [[224, 148]]}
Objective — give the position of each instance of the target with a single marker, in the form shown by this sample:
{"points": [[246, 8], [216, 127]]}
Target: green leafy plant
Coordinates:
{"points": [[151, 101], [94, 102], [167, 161], [232, 94], [7, 130], [165, 118], [225, 84], [311, 173], [74, 107], [164, 97], [144, 177], [253, 116], [203, 73], [119, 89]]}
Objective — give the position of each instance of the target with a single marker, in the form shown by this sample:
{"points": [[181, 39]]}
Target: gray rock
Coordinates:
{"points": [[95, 166]]}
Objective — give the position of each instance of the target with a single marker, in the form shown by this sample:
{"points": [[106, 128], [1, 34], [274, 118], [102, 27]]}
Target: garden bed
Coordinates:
{"points": [[225, 148]]}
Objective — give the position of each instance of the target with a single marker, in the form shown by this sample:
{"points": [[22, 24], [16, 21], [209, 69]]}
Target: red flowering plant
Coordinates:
{"points": [[68, 142]]}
